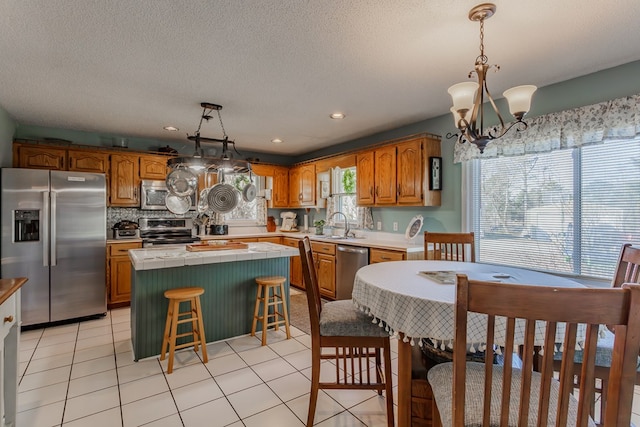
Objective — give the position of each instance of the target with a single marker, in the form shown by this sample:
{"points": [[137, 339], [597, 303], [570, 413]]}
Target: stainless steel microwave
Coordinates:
{"points": [[154, 194]]}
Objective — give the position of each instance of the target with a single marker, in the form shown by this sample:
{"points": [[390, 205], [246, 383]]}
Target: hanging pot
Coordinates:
{"points": [[176, 204], [222, 198], [249, 193], [181, 182], [203, 203]]}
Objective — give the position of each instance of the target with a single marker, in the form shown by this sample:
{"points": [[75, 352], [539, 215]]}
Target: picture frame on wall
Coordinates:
{"points": [[435, 173]]}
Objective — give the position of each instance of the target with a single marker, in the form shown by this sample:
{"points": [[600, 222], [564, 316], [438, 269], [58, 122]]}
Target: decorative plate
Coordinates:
{"points": [[414, 227]]}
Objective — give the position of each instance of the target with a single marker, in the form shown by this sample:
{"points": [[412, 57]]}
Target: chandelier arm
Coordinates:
{"points": [[493, 104]]}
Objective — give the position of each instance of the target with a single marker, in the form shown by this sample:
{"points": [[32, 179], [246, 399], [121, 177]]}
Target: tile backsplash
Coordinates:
{"points": [[115, 215]]}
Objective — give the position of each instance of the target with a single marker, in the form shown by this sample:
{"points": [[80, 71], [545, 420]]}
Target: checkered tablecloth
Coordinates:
{"points": [[401, 299]]}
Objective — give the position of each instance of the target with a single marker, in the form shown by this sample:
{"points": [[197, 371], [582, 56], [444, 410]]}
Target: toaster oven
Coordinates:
{"points": [[154, 194]]}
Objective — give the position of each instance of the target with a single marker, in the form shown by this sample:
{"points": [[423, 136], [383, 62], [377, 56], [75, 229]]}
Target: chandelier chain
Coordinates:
{"points": [[224, 132]]}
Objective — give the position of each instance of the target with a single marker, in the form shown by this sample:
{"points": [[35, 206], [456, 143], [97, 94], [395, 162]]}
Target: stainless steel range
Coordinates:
{"points": [[166, 231]]}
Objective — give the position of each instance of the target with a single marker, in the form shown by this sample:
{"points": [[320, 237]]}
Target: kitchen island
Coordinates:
{"points": [[227, 276]]}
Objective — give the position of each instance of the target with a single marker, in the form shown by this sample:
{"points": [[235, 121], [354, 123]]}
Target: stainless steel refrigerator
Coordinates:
{"points": [[54, 233]]}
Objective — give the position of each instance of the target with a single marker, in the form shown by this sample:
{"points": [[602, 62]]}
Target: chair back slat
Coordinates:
{"points": [[533, 316], [450, 246], [628, 268]]}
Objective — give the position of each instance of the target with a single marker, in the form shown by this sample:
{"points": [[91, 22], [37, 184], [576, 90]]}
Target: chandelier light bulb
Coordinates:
{"points": [[519, 99], [463, 95]]}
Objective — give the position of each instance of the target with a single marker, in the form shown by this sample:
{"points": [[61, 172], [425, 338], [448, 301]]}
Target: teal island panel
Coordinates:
{"points": [[227, 303]]}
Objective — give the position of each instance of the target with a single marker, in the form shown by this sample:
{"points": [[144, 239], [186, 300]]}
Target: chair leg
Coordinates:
{"points": [[174, 332], [388, 384], [379, 369], [203, 341], [265, 314], [194, 323], [167, 330], [285, 310], [315, 384], [256, 311]]}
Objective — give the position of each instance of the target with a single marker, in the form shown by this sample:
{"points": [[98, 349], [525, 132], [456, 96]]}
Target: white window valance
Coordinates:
{"points": [[592, 124]]}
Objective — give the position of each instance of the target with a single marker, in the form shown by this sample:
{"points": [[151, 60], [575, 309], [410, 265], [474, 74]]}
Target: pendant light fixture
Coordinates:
{"points": [[199, 162], [469, 97]]}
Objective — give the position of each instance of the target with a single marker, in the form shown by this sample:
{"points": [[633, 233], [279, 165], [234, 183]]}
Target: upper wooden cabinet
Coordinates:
{"points": [[124, 180], [153, 167], [88, 161], [302, 185], [39, 157], [280, 194], [397, 174]]}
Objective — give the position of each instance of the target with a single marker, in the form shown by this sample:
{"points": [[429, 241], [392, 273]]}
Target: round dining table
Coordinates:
{"points": [[415, 300]]}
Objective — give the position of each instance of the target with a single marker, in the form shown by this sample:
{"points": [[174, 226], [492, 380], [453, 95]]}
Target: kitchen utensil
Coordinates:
{"points": [[176, 204], [249, 193], [203, 203], [125, 224], [222, 198], [182, 182]]}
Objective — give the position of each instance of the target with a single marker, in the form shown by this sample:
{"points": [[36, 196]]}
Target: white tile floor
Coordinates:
{"points": [[83, 374]]}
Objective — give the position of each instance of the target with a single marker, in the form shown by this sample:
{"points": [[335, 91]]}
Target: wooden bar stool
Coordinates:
{"points": [[194, 315], [270, 294]]}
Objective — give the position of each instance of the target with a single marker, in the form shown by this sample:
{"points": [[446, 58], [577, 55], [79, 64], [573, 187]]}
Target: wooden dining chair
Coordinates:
{"points": [[627, 271], [483, 394], [355, 343], [450, 246]]}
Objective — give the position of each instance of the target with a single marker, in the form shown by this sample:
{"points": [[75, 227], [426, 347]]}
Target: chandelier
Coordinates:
{"points": [[469, 97], [199, 162]]}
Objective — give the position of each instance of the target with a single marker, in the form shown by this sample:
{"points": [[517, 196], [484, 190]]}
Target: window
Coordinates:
{"points": [[567, 211], [246, 213], [344, 188]]}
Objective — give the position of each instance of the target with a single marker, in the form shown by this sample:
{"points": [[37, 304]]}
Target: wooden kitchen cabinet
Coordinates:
{"points": [[119, 273], [295, 264], [384, 255], [275, 239], [397, 174], [302, 185], [324, 255], [88, 161], [153, 167], [385, 175], [124, 180], [365, 183], [39, 157], [280, 193]]}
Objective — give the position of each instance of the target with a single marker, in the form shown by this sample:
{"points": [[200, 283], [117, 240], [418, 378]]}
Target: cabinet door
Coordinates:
{"points": [[120, 279], [365, 183], [125, 181], [385, 172], [38, 157], [88, 161], [153, 167], [295, 194], [280, 196], [326, 271], [409, 168], [295, 263], [383, 255], [308, 185]]}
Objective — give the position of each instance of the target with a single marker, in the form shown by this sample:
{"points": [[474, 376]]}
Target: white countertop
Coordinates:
{"points": [[369, 240], [178, 256]]}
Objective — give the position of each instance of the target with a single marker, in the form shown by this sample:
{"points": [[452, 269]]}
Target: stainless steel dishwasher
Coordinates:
{"points": [[348, 260]]}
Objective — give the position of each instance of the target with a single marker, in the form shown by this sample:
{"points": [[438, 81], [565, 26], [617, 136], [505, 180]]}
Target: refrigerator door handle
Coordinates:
{"points": [[54, 257], [45, 228]]}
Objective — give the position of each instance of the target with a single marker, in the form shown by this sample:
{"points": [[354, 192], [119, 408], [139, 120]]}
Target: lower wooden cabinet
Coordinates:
{"points": [[275, 239], [119, 273], [384, 255], [324, 255], [295, 269]]}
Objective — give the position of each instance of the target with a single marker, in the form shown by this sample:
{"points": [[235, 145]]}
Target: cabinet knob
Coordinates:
{"points": [[8, 319]]}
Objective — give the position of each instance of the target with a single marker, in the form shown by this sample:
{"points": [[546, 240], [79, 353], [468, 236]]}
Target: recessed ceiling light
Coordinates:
{"points": [[171, 128], [337, 115], [276, 141]]}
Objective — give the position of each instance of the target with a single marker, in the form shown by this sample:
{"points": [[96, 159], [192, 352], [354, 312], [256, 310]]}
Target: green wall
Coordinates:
{"points": [[604, 85], [7, 129]]}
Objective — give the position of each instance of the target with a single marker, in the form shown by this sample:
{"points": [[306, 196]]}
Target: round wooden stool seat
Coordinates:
{"points": [[175, 317], [271, 299], [183, 293]]}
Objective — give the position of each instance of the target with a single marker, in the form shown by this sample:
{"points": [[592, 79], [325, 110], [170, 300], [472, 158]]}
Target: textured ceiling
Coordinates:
{"points": [[280, 67]]}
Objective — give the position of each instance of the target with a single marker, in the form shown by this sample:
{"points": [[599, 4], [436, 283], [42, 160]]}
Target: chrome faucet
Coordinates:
{"points": [[346, 222]]}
